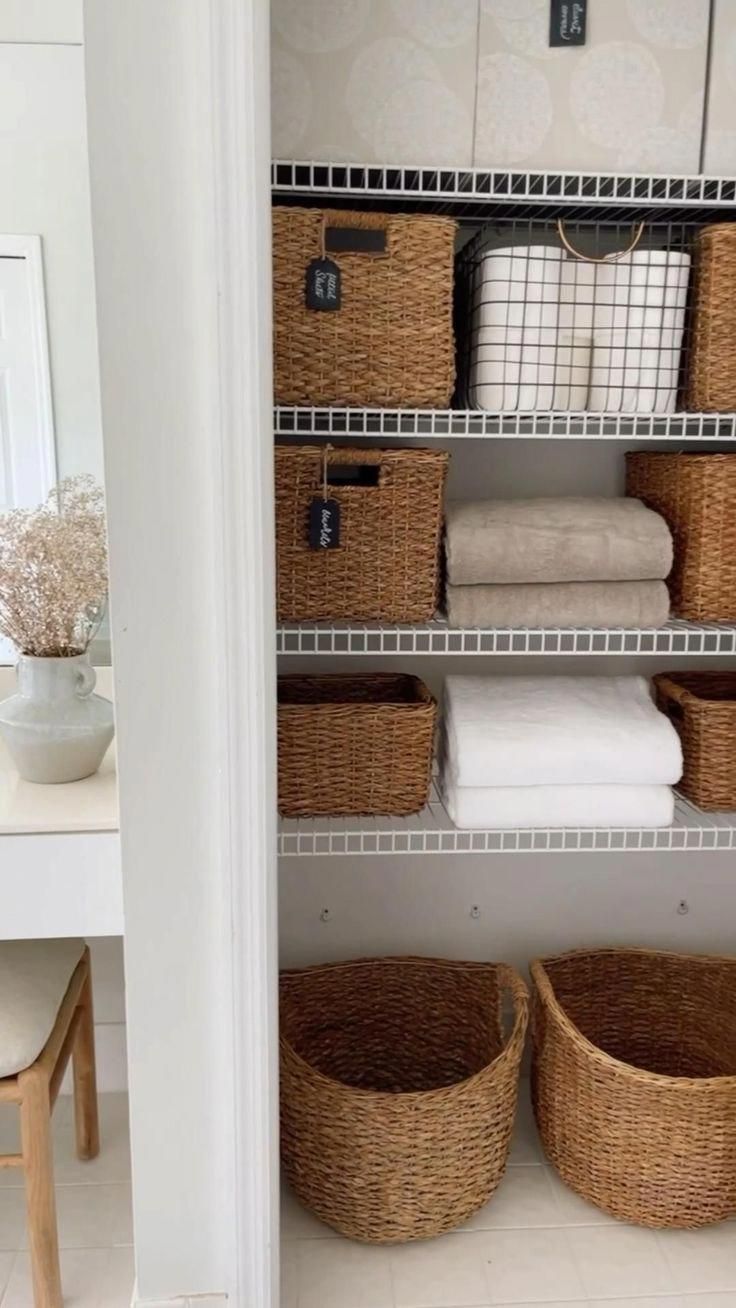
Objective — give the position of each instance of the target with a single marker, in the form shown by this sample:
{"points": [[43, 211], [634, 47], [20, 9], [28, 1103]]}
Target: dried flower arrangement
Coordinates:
{"points": [[53, 571]]}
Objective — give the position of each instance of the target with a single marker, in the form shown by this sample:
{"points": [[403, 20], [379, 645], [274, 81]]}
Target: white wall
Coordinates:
{"points": [[43, 161], [530, 905]]}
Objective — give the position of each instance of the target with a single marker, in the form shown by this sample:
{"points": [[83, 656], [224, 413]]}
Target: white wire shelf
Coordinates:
{"points": [[432, 832], [455, 187], [389, 424], [438, 638]]}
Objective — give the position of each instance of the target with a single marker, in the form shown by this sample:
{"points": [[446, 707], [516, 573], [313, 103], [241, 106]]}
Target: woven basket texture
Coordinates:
{"points": [[702, 706], [696, 495], [386, 568], [634, 1081], [398, 1091], [711, 383], [359, 745], [391, 342]]}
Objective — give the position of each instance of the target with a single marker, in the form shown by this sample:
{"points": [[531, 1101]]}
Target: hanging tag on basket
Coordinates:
{"points": [[323, 289], [324, 524]]}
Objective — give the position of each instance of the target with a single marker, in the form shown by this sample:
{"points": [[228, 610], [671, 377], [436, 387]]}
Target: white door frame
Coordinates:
{"points": [[242, 118], [181, 225], [28, 247]]}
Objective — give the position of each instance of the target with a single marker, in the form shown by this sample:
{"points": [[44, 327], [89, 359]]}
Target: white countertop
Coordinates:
{"points": [[77, 806]]}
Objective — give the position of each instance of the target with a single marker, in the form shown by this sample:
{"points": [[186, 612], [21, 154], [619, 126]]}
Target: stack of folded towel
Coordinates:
{"points": [[557, 751], [557, 562]]}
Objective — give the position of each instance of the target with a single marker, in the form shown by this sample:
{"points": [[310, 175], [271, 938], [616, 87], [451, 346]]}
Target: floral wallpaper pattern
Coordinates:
{"points": [[475, 81]]}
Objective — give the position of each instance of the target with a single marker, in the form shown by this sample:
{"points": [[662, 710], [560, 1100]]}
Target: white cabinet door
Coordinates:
{"points": [[27, 459]]}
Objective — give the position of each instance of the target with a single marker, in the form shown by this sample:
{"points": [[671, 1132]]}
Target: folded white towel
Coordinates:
{"points": [[506, 808], [574, 538], [537, 731]]}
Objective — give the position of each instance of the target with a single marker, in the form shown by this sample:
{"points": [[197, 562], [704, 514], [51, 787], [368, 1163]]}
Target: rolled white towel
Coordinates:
{"points": [[506, 808], [538, 731]]}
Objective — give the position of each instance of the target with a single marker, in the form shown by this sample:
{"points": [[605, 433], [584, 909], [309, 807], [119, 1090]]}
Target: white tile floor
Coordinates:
{"points": [[93, 1203], [536, 1243]]}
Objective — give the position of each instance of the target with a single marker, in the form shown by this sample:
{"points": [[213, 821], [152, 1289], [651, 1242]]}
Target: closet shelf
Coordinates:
{"points": [[432, 832], [438, 638], [428, 424], [464, 192], [476, 424]]}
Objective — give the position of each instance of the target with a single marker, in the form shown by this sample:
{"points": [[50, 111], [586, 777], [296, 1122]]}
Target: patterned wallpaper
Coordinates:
{"points": [[463, 81]]}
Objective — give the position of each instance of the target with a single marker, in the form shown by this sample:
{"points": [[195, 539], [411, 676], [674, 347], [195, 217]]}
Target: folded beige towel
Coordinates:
{"points": [[509, 541], [560, 604]]}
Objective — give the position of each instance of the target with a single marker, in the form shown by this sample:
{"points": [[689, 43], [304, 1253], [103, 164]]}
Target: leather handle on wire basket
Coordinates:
{"points": [[606, 258]]}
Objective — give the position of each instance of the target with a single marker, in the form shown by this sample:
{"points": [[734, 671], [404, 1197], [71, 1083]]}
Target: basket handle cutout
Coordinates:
{"points": [[613, 257], [356, 240], [353, 474]]}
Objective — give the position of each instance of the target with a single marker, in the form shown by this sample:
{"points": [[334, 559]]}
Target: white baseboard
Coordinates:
{"points": [[112, 1063]]}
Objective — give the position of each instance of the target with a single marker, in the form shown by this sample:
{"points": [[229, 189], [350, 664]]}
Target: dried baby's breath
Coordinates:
{"points": [[53, 571]]}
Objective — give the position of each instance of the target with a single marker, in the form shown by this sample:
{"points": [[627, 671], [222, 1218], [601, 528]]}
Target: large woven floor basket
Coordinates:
{"points": [[696, 495], [398, 1091], [634, 1081], [702, 706], [386, 568], [352, 745], [391, 341], [711, 383]]}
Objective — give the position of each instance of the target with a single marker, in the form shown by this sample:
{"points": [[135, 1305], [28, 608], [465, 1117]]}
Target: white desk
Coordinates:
{"points": [[59, 849]]}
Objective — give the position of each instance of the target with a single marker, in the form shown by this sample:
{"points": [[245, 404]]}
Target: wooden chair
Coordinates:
{"points": [[34, 1087]]}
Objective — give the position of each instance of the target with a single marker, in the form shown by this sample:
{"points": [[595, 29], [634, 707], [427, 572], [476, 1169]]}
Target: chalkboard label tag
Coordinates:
{"points": [[323, 285], [567, 22], [324, 524]]}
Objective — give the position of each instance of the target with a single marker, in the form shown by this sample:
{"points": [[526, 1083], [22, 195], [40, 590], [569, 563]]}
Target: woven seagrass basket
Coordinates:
{"points": [[398, 1091], [634, 1081], [696, 495], [702, 706], [386, 567], [711, 377], [358, 745], [391, 341]]}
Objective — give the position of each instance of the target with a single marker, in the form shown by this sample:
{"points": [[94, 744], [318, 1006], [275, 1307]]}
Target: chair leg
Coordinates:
{"points": [[86, 1116], [38, 1165]]}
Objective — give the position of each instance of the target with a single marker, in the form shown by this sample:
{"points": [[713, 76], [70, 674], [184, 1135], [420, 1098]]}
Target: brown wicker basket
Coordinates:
{"points": [[634, 1081], [711, 377], [398, 1091], [386, 567], [354, 744], [702, 706], [696, 494], [391, 341]]}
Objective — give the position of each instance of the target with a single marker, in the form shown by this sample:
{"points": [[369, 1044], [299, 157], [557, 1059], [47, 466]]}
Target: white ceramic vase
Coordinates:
{"points": [[55, 728]]}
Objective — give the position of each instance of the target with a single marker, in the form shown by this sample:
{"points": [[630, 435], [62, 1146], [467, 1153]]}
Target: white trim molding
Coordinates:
{"points": [[242, 115], [181, 218]]}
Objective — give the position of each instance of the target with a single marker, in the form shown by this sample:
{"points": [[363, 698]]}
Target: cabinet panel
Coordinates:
{"points": [[374, 80], [720, 135], [52, 21], [630, 99]]}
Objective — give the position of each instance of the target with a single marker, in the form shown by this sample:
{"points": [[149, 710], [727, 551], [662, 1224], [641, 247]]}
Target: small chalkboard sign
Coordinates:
{"points": [[567, 22], [324, 524], [323, 285]]}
